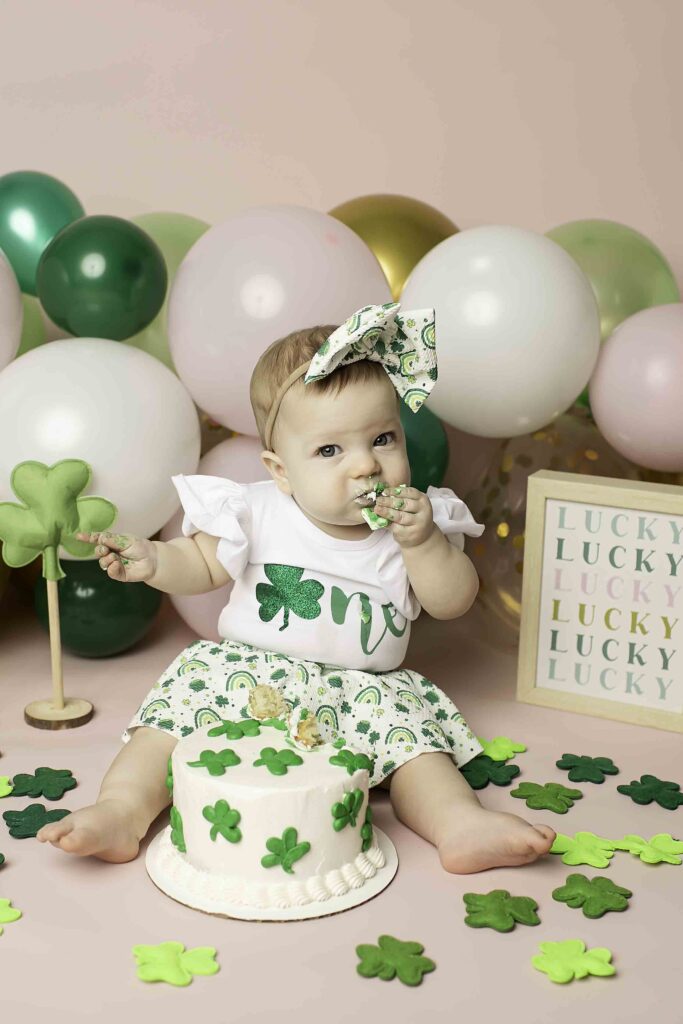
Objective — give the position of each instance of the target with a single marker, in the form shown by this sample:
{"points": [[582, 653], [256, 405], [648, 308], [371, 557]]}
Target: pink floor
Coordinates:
{"points": [[69, 957]]}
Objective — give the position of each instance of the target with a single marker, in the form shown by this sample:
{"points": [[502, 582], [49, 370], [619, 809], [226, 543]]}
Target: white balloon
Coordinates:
{"points": [[11, 312], [116, 407], [517, 329]]}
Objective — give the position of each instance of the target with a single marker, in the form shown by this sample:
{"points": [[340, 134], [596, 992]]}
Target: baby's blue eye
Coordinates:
{"points": [[327, 447]]}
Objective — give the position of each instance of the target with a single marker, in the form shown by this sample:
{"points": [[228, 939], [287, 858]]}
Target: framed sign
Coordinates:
{"points": [[602, 598]]}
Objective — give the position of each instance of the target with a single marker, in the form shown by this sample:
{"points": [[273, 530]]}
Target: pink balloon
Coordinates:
{"points": [[253, 279], [635, 390], [236, 458]]}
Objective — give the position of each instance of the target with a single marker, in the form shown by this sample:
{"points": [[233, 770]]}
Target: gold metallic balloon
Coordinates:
{"points": [[398, 229]]}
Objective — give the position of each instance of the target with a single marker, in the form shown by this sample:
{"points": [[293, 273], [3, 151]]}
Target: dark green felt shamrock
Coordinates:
{"points": [[51, 783], [551, 796], [237, 730], [169, 776], [498, 909], [224, 820], [346, 812], [666, 794], [587, 769], [482, 769], [216, 762], [278, 761], [27, 823], [352, 762], [2, 859], [275, 723], [596, 895], [285, 851], [392, 958]]}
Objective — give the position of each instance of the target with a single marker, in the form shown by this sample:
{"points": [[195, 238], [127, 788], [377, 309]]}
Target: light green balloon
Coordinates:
{"points": [[33, 331], [175, 234]]}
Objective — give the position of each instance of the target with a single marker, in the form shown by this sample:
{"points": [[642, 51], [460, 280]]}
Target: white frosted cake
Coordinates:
{"points": [[264, 819]]}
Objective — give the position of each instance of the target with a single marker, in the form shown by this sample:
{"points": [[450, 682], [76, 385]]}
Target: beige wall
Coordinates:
{"points": [[526, 112]]}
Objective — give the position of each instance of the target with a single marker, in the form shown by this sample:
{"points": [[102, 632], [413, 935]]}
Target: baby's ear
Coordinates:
{"points": [[276, 469]]}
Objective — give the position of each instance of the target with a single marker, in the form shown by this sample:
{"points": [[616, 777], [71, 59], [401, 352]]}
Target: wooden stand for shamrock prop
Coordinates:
{"points": [[51, 516]]}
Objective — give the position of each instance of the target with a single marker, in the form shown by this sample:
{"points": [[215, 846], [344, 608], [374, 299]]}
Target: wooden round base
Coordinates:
{"points": [[42, 714]]}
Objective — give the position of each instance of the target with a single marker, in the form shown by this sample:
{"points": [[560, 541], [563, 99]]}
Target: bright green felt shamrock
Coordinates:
{"points": [[224, 821], [51, 783], [392, 958], [27, 823], [551, 796], [346, 812], [177, 834], [498, 909], [500, 748], [278, 761], [584, 848], [352, 762], [170, 962], [288, 593], [366, 831], [237, 730], [216, 762], [587, 769], [564, 961], [8, 913], [51, 515], [662, 848], [483, 769], [5, 785], [285, 851], [666, 794], [596, 895]]}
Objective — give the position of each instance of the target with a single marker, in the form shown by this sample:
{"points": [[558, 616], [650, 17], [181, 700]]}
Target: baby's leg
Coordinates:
{"points": [[431, 797], [132, 794]]}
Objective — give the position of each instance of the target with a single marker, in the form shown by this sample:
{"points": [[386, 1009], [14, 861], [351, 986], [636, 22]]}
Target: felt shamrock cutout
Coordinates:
{"points": [[482, 769], [6, 786], [224, 821], [216, 762], [564, 961], [551, 796], [596, 895], [171, 962], [662, 848], [25, 824], [51, 515], [498, 909], [284, 851], [346, 812], [177, 834], [666, 794], [366, 832], [237, 730], [352, 762], [52, 783], [584, 848], [587, 769], [391, 958], [500, 748], [288, 593], [278, 761], [8, 913]]}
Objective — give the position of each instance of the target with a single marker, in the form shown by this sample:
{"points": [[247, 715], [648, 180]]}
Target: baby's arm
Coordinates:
{"points": [[443, 578]]}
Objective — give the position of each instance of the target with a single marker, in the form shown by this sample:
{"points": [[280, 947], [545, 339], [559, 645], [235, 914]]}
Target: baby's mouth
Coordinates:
{"points": [[367, 498]]}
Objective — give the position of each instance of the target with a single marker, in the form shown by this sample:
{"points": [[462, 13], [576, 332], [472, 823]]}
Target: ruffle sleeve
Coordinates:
{"points": [[219, 507]]}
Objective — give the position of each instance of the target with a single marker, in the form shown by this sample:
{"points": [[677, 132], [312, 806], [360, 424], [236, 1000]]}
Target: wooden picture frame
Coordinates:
{"points": [[602, 598]]}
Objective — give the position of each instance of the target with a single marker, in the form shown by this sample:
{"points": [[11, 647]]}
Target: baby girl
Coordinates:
{"points": [[323, 599]]}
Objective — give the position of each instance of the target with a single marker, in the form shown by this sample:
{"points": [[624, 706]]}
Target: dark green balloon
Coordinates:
{"points": [[427, 446], [98, 616], [34, 207], [102, 277]]}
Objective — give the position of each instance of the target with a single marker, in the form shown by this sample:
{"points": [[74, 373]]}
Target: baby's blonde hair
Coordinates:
{"points": [[283, 357]]}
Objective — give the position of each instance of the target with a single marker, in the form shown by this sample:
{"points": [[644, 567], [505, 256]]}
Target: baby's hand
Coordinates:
{"points": [[409, 512], [123, 558]]}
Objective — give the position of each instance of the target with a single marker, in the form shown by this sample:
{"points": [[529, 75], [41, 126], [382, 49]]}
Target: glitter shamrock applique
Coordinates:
{"points": [[584, 848], [27, 823], [660, 849], [352, 762], [177, 835], [551, 796], [596, 895], [482, 769], [8, 913], [237, 730], [666, 794], [285, 851], [172, 963], [51, 783], [498, 909], [564, 961], [278, 761], [346, 812], [392, 958], [216, 762], [224, 821], [500, 748], [587, 769], [288, 593]]}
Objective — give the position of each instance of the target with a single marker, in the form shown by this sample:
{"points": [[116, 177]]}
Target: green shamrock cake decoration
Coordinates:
{"points": [[285, 851], [347, 810]]}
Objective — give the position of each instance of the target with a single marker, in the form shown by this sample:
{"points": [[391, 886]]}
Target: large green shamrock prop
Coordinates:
{"points": [[177, 834], [285, 851], [498, 909], [584, 848], [8, 913], [170, 962], [288, 593], [596, 895], [27, 823], [52, 783], [662, 848], [551, 796], [51, 515], [346, 812], [482, 769], [224, 821], [564, 961], [237, 730], [216, 762], [666, 794], [352, 762], [366, 831], [587, 769], [500, 748], [278, 761], [392, 958]]}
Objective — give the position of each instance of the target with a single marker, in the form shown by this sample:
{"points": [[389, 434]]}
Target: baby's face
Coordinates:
{"points": [[329, 446]]}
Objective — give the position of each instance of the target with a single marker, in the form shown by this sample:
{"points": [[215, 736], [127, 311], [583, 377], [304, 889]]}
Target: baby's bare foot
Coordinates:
{"points": [[477, 839], [105, 830]]}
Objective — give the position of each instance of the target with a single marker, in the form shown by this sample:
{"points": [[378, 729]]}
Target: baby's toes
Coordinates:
{"points": [[544, 839], [55, 830]]}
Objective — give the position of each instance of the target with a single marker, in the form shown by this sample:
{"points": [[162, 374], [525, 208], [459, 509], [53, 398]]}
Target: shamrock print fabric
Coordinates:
{"points": [[390, 717]]}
